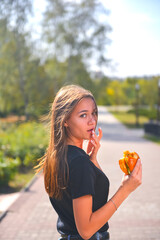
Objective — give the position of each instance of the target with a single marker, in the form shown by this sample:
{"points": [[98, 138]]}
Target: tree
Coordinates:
{"points": [[73, 30], [115, 93], [100, 90], [149, 91], [56, 72], [17, 96], [15, 14]]}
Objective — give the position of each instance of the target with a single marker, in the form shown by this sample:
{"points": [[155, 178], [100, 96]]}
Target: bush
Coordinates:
{"points": [[149, 113], [20, 147], [8, 168]]}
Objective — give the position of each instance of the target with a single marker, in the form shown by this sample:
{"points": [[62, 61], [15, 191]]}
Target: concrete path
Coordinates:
{"points": [[138, 218]]}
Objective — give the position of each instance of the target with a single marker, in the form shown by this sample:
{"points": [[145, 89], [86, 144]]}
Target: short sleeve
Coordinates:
{"points": [[82, 178]]}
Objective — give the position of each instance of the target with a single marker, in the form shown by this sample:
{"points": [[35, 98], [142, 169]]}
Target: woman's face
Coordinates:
{"points": [[81, 122]]}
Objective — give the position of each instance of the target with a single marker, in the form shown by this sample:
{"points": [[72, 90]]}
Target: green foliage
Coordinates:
{"points": [[129, 119], [19, 181], [23, 82], [123, 92], [30, 75], [59, 75], [76, 35], [147, 112], [115, 93], [15, 54], [99, 91], [153, 138], [8, 167], [149, 91], [73, 29], [20, 147]]}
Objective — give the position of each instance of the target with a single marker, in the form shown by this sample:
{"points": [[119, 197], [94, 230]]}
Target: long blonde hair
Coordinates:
{"points": [[54, 163]]}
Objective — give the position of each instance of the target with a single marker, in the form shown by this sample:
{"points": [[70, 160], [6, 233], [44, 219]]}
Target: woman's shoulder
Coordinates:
{"points": [[76, 153], [79, 164]]}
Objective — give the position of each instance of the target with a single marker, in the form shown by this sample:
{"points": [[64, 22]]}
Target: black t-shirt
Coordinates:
{"points": [[84, 179]]}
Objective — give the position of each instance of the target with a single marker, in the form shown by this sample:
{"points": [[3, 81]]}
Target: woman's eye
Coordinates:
{"points": [[94, 113], [83, 115]]}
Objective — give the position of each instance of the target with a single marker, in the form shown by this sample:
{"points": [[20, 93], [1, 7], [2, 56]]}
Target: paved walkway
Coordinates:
{"points": [[138, 218]]}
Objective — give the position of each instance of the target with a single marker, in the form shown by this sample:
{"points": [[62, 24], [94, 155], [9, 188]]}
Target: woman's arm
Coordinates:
{"points": [[88, 222]]}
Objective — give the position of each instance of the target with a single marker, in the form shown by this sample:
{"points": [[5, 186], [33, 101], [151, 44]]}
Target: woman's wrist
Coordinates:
{"points": [[121, 194], [124, 191]]}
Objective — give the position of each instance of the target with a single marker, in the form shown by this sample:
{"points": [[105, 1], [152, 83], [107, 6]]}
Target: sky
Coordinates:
{"points": [[135, 47], [135, 37]]}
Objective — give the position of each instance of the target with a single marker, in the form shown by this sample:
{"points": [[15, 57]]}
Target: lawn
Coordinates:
{"points": [[19, 181], [129, 119], [153, 138]]}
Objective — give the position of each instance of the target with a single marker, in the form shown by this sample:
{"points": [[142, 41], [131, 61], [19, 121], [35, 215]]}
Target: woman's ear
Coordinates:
{"points": [[65, 124]]}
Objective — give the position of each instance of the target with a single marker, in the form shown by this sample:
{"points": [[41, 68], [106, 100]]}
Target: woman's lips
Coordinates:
{"points": [[90, 130]]}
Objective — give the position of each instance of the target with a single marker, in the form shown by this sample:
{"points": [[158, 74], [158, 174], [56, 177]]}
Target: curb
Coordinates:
{"points": [[3, 214], [28, 185], [25, 189]]}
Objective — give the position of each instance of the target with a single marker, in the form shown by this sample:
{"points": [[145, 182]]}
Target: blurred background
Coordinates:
{"points": [[111, 48]]}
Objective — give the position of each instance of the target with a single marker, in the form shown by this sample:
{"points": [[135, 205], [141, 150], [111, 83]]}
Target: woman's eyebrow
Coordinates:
{"points": [[83, 111]]}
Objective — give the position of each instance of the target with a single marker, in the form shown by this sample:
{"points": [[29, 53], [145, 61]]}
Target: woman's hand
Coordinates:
{"points": [[94, 145], [132, 181]]}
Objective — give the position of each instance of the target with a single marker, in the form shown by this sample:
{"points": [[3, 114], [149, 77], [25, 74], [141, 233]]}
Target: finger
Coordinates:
{"points": [[140, 173], [100, 134], [98, 137], [93, 143], [95, 138], [137, 168], [89, 147], [140, 170], [94, 149]]}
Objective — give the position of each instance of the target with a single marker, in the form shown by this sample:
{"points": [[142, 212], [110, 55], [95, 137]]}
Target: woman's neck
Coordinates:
{"points": [[75, 143]]}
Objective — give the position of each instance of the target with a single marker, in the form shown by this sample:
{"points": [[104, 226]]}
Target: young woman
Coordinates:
{"points": [[76, 185]]}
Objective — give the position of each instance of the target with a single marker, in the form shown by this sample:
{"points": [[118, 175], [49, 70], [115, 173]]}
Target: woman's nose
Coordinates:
{"points": [[91, 120]]}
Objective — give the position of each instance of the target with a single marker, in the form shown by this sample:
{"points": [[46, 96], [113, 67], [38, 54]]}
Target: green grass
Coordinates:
{"points": [[19, 182], [129, 119], [153, 138]]}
